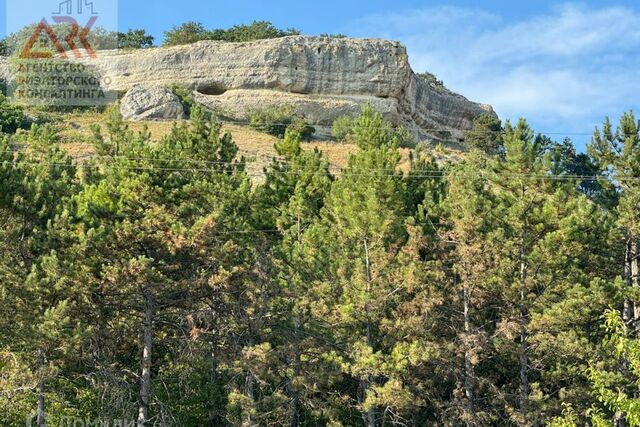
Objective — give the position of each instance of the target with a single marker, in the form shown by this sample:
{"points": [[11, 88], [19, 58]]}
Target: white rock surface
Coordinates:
{"points": [[322, 77], [151, 103]]}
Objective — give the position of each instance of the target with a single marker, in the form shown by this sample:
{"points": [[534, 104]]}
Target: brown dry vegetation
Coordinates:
{"points": [[256, 147]]}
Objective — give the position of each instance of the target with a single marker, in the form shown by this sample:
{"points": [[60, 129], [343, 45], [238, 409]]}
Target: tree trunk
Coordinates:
{"points": [[628, 312], [215, 419], [40, 414], [634, 284], [524, 345], [295, 405], [294, 362], [295, 359], [145, 378], [370, 417], [249, 392], [619, 420], [468, 367]]}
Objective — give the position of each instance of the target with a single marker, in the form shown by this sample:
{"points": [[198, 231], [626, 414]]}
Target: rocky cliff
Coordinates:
{"points": [[322, 77]]}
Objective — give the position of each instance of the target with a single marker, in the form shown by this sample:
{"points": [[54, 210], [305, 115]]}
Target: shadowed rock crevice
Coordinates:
{"points": [[212, 89]]}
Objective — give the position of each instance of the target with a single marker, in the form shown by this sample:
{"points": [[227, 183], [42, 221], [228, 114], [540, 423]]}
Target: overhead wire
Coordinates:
{"points": [[426, 173]]}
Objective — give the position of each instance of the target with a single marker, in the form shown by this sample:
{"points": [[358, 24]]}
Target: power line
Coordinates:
{"points": [[345, 172], [425, 129]]}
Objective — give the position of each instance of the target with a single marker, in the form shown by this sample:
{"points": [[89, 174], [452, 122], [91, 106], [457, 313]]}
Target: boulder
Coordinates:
{"points": [[151, 103]]}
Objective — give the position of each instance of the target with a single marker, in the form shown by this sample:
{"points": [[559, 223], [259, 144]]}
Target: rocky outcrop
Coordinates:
{"points": [[4, 70], [151, 103], [322, 77]]}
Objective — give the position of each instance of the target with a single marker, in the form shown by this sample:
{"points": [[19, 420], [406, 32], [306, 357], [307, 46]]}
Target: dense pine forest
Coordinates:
{"points": [[162, 284]]}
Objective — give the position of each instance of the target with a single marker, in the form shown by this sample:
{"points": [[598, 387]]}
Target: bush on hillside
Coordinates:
{"points": [[185, 96], [486, 134], [257, 30], [191, 32], [334, 36], [276, 120], [341, 128], [135, 39], [12, 117], [99, 39], [433, 81], [345, 127]]}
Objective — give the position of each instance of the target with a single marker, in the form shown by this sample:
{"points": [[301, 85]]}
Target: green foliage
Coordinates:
{"points": [[99, 39], [4, 47], [276, 120], [257, 30], [569, 418], [616, 390], [342, 128], [135, 39], [370, 129], [11, 117], [334, 36], [486, 134], [191, 32], [157, 277], [185, 96], [433, 81]]}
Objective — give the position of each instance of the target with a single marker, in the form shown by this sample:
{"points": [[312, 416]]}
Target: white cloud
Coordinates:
{"points": [[565, 70]]}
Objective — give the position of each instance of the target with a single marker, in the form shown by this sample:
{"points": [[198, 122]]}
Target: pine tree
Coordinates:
{"points": [[149, 211], [618, 154], [368, 295], [39, 183], [525, 273]]}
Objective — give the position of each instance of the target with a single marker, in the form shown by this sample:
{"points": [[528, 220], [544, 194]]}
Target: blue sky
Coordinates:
{"points": [[563, 66]]}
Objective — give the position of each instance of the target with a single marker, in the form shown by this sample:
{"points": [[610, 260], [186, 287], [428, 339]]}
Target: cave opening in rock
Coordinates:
{"points": [[211, 89]]}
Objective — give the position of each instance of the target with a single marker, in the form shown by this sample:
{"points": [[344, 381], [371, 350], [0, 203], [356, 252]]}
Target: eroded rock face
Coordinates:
{"points": [[322, 77], [151, 103]]}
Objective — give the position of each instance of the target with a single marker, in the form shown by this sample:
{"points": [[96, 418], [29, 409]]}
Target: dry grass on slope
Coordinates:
{"points": [[256, 147]]}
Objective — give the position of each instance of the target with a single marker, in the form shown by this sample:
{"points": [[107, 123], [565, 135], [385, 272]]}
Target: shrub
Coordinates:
{"points": [[12, 117], [98, 37], [342, 128], [302, 128], [372, 130], [433, 81], [333, 36], [191, 32], [185, 96], [257, 30], [486, 134], [276, 120], [135, 39]]}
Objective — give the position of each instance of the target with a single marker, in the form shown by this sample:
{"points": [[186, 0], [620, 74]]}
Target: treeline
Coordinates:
{"points": [[157, 282], [189, 32]]}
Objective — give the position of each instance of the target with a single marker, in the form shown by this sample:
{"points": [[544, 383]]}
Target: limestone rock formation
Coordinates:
{"points": [[4, 70], [151, 103], [322, 77]]}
